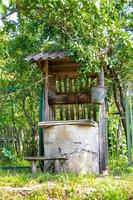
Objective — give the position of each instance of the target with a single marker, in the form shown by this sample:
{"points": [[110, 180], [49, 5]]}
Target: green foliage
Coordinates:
{"points": [[109, 194], [3, 5], [8, 154], [82, 27], [93, 33]]}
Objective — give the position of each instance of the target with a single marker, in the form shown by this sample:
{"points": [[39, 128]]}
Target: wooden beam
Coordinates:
{"points": [[101, 78], [63, 69], [46, 89], [68, 122], [65, 59], [70, 99], [71, 74], [61, 65], [63, 74], [102, 140], [34, 158]]}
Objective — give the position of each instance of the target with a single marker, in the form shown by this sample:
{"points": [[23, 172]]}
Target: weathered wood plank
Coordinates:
{"points": [[62, 65], [71, 112], [77, 111], [33, 167], [57, 165], [34, 158], [71, 74], [63, 69], [83, 122], [83, 111], [70, 99], [94, 112], [102, 150], [46, 104]]}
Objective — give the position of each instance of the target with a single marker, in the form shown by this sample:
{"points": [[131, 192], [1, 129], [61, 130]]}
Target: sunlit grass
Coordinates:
{"points": [[67, 186]]}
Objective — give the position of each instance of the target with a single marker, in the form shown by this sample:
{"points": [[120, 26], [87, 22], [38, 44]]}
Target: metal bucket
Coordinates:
{"points": [[98, 94]]}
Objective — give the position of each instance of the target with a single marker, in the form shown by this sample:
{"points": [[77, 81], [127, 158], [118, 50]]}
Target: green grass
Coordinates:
{"points": [[67, 186], [15, 162]]}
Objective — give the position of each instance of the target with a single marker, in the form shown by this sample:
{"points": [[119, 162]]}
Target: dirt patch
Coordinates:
{"points": [[22, 190]]}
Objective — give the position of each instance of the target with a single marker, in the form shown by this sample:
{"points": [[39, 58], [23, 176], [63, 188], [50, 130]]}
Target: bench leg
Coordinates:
{"points": [[43, 168], [33, 167], [57, 166]]}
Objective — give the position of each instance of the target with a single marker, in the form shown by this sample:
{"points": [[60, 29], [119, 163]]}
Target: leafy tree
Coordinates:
{"points": [[95, 33]]}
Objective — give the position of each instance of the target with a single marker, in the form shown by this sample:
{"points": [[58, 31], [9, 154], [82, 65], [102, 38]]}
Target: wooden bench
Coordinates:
{"points": [[33, 161]]}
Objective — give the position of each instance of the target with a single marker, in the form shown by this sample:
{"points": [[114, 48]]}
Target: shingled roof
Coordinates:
{"points": [[46, 55]]}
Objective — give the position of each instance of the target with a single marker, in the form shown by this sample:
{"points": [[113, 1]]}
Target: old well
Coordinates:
{"points": [[72, 121]]}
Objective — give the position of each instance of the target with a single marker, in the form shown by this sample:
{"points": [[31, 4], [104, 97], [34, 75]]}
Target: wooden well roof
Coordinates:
{"points": [[58, 62], [46, 55]]}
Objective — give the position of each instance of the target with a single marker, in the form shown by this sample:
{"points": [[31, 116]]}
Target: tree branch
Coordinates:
{"points": [[8, 14]]}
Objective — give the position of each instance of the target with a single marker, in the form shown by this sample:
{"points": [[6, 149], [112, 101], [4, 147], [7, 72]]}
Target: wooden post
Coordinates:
{"points": [[45, 114], [33, 166], [61, 83], [66, 90], [102, 141], [57, 165], [41, 137], [52, 92], [71, 112], [46, 90], [94, 112]]}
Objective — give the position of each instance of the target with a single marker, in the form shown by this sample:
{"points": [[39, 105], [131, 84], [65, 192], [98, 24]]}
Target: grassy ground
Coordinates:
{"points": [[64, 186]]}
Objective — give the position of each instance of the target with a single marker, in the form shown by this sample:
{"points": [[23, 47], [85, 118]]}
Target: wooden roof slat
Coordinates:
{"points": [[46, 55]]}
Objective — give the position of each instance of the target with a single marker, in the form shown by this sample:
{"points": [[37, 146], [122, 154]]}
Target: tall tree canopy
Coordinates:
{"points": [[95, 33]]}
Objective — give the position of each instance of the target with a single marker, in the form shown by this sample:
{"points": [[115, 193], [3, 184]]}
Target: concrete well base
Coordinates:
{"points": [[78, 142]]}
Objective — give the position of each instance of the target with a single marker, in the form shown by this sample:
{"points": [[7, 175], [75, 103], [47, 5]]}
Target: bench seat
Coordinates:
{"points": [[34, 159]]}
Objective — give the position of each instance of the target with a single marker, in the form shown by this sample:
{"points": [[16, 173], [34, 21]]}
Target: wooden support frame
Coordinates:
{"points": [[73, 101], [70, 99], [33, 161], [46, 90], [102, 129]]}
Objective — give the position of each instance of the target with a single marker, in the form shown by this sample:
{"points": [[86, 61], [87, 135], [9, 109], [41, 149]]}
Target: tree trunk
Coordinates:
{"points": [[121, 109], [34, 135], [119, 97]]}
